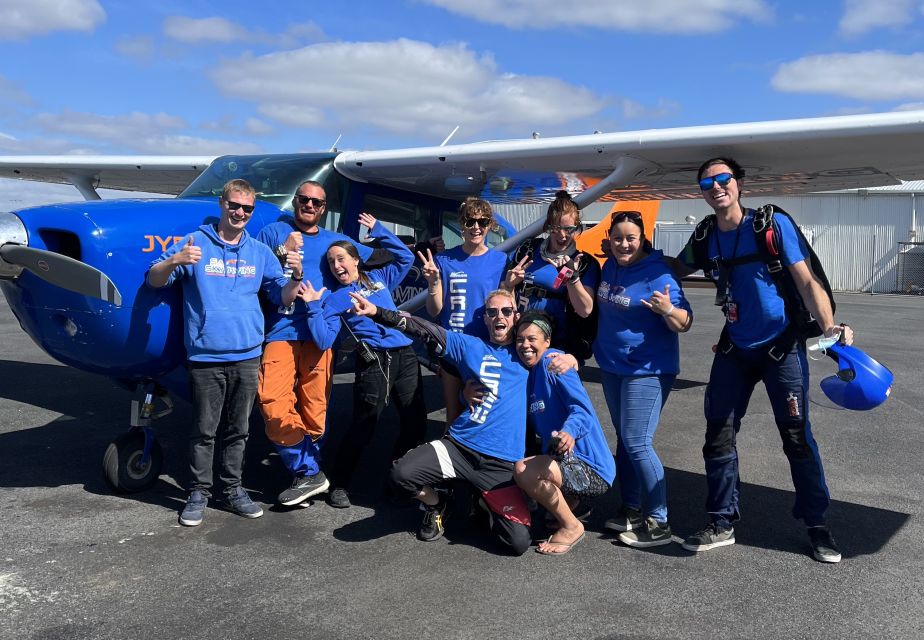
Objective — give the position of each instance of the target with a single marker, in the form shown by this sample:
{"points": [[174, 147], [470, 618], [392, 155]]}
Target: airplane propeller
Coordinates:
{"points": [[63, 271]]}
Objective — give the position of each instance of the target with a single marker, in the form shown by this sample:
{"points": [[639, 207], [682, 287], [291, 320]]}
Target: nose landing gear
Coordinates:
{"points": [[134, 460]]}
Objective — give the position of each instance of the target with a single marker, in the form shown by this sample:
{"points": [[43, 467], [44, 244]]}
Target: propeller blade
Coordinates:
{"points": [[64, 272]]}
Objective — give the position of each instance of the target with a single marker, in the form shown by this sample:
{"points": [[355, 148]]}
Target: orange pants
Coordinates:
{"points": [[295, 382]]}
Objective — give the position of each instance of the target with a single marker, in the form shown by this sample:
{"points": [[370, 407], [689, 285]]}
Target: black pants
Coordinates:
{"points": [[395, 376], [441, 460], [222, 397]]}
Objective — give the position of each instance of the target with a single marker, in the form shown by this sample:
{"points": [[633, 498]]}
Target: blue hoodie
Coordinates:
{"points": [[560, 403], [326, 316], [288, 323], [221, 308], [632, 340]]}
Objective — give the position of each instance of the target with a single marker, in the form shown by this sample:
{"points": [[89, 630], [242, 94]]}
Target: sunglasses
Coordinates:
{"points": [[723, 179], [570, 229], [303, 200], [470, 223], [234, 206], [492, 312]]}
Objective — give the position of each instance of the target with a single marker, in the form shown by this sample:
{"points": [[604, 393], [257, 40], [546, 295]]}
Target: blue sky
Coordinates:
{"points": [[203, 77]]}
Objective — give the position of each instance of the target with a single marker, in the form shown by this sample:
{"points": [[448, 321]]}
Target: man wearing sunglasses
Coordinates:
{"points": [[222, 269], [295, 375], [760, 343], [483, 443]]}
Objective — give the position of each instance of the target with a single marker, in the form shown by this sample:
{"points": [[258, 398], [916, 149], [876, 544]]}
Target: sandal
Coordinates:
{"points": [[566, 545]]}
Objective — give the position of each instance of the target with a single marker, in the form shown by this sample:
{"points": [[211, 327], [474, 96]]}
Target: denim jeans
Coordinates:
{"points": [[731, 383], [635, 404], [222, 395]]}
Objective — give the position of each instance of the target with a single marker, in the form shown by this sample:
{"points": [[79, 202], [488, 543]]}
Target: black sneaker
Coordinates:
{"points": [[303, 487], [824, 549], [432, 526], [709, 538], [194, 510], [627, 519], [240, 503], [651, 534], [339, 498]]}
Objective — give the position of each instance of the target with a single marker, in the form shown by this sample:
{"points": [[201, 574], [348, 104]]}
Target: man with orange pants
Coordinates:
{"points": [[295, 375]]}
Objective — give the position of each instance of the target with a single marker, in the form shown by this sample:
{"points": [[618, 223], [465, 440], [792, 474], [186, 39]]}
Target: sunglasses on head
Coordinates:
{"points": [[570, 229], [723, 179], [470, 223], [234, 206], [492, 312], [303, 200]]}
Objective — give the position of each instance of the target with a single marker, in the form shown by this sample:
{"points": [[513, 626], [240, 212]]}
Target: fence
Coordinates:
{"points": [[911, 268]]}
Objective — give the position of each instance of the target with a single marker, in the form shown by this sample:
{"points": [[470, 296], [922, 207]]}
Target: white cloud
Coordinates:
{"points": [[221, 30], [136, 132], [10, 92], [663, 16], [632, 109], [257, 127], [402, 87], [863, 15], [870, 75], [229, 125], [20, 20], [138, 47], [910, 106]]}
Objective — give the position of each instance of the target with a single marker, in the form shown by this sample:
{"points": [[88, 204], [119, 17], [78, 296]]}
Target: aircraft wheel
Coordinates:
{"points": [[122, 463]]}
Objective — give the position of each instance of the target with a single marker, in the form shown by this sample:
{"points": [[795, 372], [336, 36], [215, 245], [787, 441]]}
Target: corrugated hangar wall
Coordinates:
{"points": [[854, 233]]}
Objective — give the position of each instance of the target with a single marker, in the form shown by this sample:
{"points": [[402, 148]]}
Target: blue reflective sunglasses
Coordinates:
{"points": [[723, 179]]}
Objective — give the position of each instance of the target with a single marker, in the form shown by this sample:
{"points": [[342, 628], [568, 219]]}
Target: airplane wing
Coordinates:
{"points": [[779, 157], [152, 174]]}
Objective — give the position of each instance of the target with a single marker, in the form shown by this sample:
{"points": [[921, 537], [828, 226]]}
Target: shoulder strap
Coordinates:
{"points": [[699, 241]]}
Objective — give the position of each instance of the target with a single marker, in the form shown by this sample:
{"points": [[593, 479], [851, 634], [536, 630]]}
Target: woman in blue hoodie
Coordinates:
{"points": [[641, 310], [386, 365], [579, 463]]}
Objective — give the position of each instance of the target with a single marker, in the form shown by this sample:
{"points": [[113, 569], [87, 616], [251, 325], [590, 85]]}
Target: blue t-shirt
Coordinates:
{"points": [[467, 281], [221, 307], [288, 323], [542, 274], [632, 340], [761, 312], [497, 427], [560, 403], [325, 317]]}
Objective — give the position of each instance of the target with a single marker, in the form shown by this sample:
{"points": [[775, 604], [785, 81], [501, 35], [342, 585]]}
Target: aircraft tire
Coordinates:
{"points": [[120, 463]]}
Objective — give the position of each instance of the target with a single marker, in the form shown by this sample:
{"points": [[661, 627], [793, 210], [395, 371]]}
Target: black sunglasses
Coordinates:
{"points": [[492, 312], [303, 200], [234, 206], [470, 223]]}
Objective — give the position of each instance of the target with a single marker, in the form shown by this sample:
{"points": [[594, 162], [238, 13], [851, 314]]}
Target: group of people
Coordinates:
{"points": [[510, 338]]}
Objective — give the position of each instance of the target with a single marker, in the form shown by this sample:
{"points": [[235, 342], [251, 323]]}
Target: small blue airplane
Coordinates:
{"points": [[73, 274]]}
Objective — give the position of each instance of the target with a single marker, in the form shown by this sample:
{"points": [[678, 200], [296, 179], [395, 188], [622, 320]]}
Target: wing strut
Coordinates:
{"points": [[626, 168], [84, 184]]}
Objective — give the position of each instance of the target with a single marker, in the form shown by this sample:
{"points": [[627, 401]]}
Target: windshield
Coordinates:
{"points": [[274, 176]]}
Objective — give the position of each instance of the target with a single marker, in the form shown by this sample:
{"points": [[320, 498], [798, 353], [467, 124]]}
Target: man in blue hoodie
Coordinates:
{"points": [[221, 269]]}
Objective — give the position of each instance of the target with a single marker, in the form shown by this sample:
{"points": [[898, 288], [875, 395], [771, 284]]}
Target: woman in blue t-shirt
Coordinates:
{"points": [[553, 276], [386, 365], [641, 310], [578, 463]]}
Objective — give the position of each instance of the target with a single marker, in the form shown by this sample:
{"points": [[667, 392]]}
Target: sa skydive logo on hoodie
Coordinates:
{"points": [[232, 268]]}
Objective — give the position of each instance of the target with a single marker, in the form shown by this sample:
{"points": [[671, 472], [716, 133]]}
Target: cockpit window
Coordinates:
{"points": [[275, 177]]}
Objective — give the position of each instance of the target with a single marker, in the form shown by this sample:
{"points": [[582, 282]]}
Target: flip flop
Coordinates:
{"points": [[567, 546]]}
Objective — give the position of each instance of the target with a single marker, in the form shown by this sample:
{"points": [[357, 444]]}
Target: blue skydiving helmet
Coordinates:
{"points": [[860, 383]]}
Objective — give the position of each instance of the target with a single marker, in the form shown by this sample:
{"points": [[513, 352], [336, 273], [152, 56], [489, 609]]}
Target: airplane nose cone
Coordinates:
{"points": [[12, 231]]}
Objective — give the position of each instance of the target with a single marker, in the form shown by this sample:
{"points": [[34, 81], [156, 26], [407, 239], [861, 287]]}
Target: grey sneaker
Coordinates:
{"points": [[339, 498], [303, 487], [627, 519], [194, 509], [240, 503], [824, 549], [709, 538], [651, 534]]}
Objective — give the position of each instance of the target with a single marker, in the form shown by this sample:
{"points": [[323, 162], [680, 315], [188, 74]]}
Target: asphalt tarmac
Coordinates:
{"points": [[77, 561]]}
